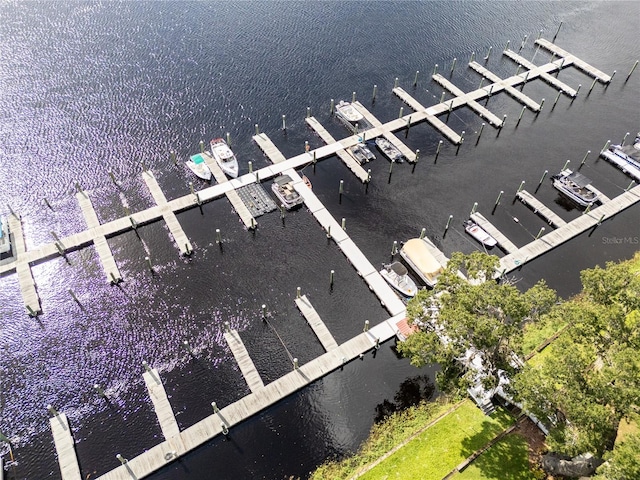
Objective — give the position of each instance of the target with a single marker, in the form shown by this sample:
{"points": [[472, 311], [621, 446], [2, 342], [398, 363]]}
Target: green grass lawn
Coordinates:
{"points": [[509, 458], [440, 448]]}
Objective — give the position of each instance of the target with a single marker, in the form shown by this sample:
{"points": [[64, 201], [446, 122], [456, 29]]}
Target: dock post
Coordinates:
{"points": [[225, 429], [474, 208], [435, 69], [523, 43], [632, 69], [630, 185], [331, 274], [504, 119], [401, 112], [113, 177], [601, 219], [606, 145], [353, 97], [506, 47], [329, 231], [488, 53], [368, 175], [624, 138], [415, 80], [577, 90], [498, 199], [114, 279], [257, 176], [52, 411], [540, 233], [541, 104], [446, 227], [296, 366], [556, 100], [417, 154], [257, 129], [308, 112], [611, 78], [60, 249], [480, 132], [438, 149], [423, 232], [282, 211], [356, 128], [473, 57], [332, 106], [395, 83], [218, 236], [377, 345], [340, 191], [121, 458], [394, 248], [149, 264], [298, 292], [592, 85], [490, 90], [479, 86], [366, 326], [32, 312], [543, 176], [73, 295], [253, 224], [390, 169], [344, 223], [191, 188], [461, 137], [99, 390], [539, 35], [518, 69], [565, 165], [375, 92], [215, 407], [250, 166], [228, 139], [524, 107], [453, 65], [264, 310], [227, 327], [46, 202], [201, 146], [134, 224], [520, 187], [442, 97], [585, 157], [306, 146], [174, 158], [557, 31], [284, 122], [587, 209]]}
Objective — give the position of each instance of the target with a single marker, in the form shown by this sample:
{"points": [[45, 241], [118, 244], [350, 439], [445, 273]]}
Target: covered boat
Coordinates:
{"points": [[224, 157], [418, 256], [573, 185], [347, 114], [283, 188], [479, 233], [397, 276], [197, 165], [389, 150]]}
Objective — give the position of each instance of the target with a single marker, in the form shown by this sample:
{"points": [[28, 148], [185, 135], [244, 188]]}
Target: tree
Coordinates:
{"points": [[623, 462], [474, 314]]}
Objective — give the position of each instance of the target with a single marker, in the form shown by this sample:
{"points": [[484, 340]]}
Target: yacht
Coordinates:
{"points": [[283, 189], [5, 241], [479, 233], [224, 157], [418, 256], [389, 150], [397, 276], [348, 115], [574, 185], [197, 165]]}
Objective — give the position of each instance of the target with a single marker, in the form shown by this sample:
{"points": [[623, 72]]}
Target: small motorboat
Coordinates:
{"points": [[389, 150], [224, 157], [479, 233], [197, 165], [283, 188], [574, 186], [349, 116], [397, 276], [306, 181]]}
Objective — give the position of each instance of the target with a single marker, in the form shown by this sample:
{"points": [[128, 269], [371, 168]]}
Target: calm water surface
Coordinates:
{"points": [[92, 87]]}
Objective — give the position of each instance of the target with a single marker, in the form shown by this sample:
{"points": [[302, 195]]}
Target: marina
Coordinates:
{"points": [[248, 195]]}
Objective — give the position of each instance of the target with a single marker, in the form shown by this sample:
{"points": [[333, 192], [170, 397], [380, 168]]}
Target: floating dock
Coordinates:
{"points": [[316, 323], [269, 148], [161, 405], [184, 245], [244, 361], [573, 60], [65, 447], [23, 268], [540, 209], [507, 86], [624, 165], [542, 72], [503, 242]]}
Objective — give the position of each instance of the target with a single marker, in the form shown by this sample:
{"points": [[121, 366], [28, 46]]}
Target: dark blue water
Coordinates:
{"points": [[92, 87]]}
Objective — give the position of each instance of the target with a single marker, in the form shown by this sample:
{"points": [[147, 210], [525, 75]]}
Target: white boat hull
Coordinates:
{"points": [[224, 157]]}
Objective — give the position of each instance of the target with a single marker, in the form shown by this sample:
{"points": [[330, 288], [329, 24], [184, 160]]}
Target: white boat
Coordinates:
{"points": [[5, 240], [418, 256], [389, 150], [397, 276], [224, 157], [479, 233], [197, 165], [347, 114], [574, 186], [282, 187]]}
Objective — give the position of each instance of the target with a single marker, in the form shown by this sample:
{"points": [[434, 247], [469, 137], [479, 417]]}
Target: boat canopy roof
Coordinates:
{"points": [[282, 180], [579, 179], [417, 251], [197, 159], [398, 268]]}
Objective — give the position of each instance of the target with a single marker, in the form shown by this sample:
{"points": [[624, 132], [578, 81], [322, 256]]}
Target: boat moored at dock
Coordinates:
{"points": [[418, 256], [573, 185], [397, 276], [389, 150], [283, 188], [198, 166], [351, 117], [224, 157], [5, 241], [479, 233], [362, 153]]}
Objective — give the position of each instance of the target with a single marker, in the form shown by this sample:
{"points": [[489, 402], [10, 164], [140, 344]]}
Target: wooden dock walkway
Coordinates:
{"points": [[506, 85], [462, 98], [504, 243], [160, 455], [430, 115], [569, 230], [244, 361], [184, 245], [601, 196], [399, 144], [540, 208], [269, 148], [573, 60], [316, 323], [543, 72], [161, 405], [100, 241], [350, 162], [23, 268], [65, 447]]}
